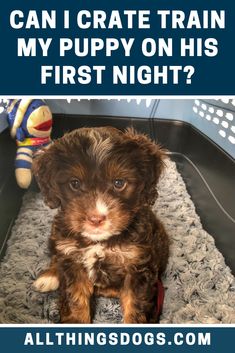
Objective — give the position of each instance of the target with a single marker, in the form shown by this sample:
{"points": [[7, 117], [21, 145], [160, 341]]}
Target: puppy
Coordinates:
{"points": [[105, 239]]}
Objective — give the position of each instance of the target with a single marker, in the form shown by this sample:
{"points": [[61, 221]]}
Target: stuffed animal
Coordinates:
{"points": [[30, 122]]}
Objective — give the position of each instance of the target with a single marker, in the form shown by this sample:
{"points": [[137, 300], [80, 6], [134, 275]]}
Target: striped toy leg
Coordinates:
{"points": [[23, 164]]}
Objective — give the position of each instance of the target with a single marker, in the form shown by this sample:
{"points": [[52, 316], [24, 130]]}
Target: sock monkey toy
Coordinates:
{"points": [[30, 122]]}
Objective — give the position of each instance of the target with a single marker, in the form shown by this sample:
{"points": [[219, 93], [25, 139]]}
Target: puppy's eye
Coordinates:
{"points": [[75, 184], [119, 184]]}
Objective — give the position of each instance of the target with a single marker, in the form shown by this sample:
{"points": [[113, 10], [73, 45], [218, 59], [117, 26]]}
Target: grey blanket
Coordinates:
{"points": [[199, 286]]}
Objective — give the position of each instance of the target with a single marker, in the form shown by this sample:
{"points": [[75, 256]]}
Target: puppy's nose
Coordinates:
{"points": [[97, 220]]}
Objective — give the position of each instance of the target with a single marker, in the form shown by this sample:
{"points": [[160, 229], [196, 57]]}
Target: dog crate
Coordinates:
{"points": [[198, 134]]}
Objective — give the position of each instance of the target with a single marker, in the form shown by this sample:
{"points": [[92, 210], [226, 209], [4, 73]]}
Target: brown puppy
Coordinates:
{"points": [[105, 239]]}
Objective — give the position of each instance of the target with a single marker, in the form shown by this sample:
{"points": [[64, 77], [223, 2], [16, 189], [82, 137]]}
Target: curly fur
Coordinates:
{"points": [[105, 240]]}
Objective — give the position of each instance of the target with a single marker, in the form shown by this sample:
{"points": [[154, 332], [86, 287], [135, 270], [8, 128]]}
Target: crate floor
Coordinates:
{"points": [[199, 287]]}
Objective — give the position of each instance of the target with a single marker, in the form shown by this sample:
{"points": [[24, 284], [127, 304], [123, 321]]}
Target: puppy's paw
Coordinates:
{"points": [[47, 282], [135, 319]]}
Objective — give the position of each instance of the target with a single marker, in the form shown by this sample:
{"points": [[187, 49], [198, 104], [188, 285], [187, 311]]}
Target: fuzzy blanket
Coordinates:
{"points": [[199, 286]]}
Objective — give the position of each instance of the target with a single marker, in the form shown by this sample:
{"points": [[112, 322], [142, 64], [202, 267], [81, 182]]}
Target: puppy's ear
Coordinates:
{"points": [[45, 169], [150, 161]]}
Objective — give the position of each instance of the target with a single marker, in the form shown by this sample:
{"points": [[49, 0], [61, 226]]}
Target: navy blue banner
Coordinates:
{"points": [[117, 339], [117, 47]]}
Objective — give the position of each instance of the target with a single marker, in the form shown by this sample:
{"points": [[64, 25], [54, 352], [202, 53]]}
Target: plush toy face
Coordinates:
{"points": [[29, 119], [39, 122]]}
